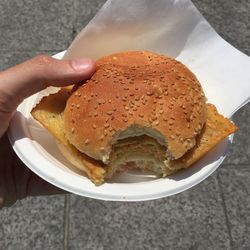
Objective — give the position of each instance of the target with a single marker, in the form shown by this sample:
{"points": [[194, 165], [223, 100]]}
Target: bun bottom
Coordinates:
{"points": [[147, 156], [95, 170]]}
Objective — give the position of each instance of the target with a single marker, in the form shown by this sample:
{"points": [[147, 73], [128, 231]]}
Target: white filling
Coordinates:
{"points": [[133, 131], [136, 130]]}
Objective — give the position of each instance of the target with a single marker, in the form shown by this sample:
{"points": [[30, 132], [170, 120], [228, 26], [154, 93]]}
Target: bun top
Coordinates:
{"points": [[136, 93]]}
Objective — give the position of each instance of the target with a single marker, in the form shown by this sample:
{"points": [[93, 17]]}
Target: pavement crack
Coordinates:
{"points": [[66, 222], [225, 210]]}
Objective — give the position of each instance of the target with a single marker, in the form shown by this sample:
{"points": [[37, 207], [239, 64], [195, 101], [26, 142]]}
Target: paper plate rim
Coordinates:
{"points": [[25, 147]]}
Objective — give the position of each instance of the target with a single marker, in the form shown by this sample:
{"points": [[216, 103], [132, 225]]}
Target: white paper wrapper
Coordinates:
{"points": [[175, 28]]}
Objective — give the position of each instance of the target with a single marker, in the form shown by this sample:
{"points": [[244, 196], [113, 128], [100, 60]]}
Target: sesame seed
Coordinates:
{"points": [[149, 93], [106, 125], [86, 141], [94, 126], [72, 130]]}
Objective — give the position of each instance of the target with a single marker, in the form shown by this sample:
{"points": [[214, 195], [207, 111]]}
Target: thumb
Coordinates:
{"points": [[36, 74]]}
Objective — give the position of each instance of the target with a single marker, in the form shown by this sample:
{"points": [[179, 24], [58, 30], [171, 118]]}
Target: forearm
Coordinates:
{"points": [[8, 174]]}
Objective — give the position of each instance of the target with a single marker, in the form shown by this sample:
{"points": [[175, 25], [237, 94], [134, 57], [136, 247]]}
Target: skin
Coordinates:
{"points": [[16, 84]]}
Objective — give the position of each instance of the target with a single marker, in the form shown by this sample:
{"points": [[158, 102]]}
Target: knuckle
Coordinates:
{"points": [[43, 66], [43, 59]]}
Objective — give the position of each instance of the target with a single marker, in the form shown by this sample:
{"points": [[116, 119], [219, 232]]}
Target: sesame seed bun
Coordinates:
{"points": [[135, 94]]}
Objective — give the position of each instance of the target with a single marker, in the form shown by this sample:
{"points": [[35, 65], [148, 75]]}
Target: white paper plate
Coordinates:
{"points": [[39, 151]]}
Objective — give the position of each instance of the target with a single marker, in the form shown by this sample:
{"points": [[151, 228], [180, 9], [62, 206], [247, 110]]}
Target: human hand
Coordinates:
{"points": [[17, 83]]}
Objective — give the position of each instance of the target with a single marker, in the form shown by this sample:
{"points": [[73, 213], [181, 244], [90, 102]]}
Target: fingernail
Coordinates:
{"points": [[82, 64]]}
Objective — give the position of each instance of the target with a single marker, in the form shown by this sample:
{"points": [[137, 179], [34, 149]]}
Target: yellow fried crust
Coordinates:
{"points": [[216, 128], [49, 112]]}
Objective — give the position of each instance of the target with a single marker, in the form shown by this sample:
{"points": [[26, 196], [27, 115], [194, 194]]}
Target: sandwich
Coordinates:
{"points": [[139, 110]]}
